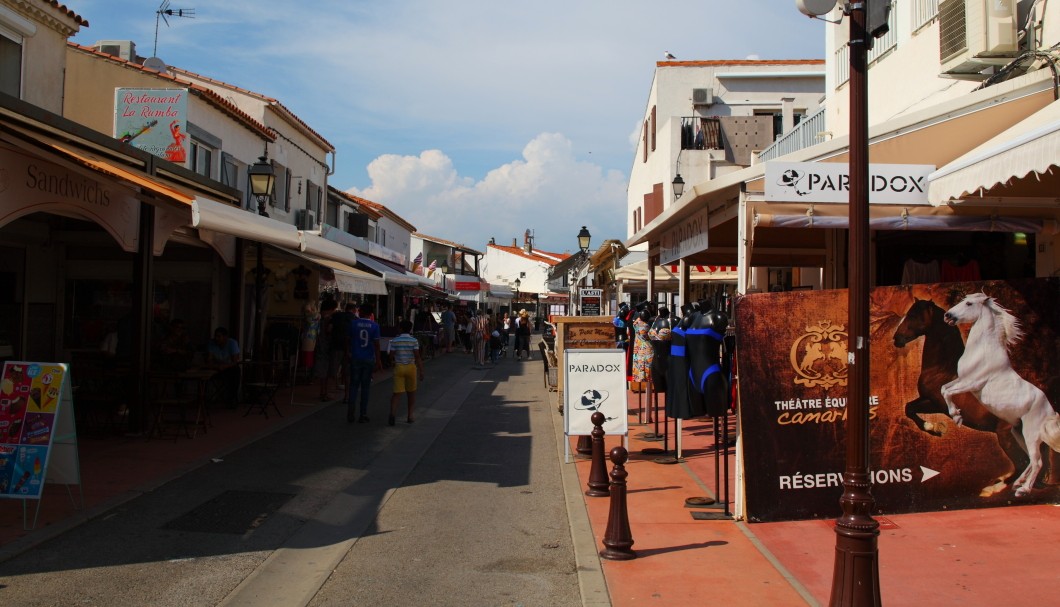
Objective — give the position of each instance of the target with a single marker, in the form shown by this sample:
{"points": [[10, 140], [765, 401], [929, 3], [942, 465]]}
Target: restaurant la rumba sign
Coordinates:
{"points": [[792, 355], [829, 182]]}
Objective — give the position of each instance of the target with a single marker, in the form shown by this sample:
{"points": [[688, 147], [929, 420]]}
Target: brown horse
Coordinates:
{"points": [[943, 347]]}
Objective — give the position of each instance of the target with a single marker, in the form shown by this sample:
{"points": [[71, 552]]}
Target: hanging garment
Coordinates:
{"points": [[914, 272], [660, 336], [960, 272], [643, 353]]}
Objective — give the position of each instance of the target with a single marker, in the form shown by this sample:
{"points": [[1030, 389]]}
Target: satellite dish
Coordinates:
{"points": [[156, 64], [815, 8]]}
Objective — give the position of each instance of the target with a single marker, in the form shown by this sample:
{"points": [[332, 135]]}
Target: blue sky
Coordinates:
{"points": [[471, 119]]}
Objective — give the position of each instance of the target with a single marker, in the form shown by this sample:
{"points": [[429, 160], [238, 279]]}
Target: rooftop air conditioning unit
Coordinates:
{"points": [[974, 35], [126, 49], [305, 220], [703, 97]]}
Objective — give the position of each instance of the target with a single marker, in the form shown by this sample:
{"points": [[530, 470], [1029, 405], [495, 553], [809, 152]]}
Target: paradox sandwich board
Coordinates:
{"points": [[594, 380]]}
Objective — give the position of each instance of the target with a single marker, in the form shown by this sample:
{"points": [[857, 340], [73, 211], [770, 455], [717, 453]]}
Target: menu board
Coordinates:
{"points": [[31, 395]]}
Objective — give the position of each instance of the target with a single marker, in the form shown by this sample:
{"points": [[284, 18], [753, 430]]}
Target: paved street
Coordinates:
{"points": [[465, 506]]}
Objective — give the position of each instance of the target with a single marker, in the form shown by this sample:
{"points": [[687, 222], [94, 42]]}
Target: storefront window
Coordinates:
{"points": [[93, 308]]}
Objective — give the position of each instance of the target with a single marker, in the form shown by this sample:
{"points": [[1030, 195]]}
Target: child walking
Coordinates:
{"points": [[404, 353]]}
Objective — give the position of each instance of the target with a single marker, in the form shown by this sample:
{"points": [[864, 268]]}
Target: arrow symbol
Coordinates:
{"points": [[928, 473]]}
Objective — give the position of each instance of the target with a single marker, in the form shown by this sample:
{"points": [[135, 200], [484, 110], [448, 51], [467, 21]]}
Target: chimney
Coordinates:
{"points": [[515, 242], [528, 241]]}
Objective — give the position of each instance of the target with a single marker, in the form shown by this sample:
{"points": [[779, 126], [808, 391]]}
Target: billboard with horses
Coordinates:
{"points": [[964, 394]]}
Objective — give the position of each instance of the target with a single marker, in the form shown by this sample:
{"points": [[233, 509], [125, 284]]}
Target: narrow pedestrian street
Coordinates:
{"points": [[465, 506]]}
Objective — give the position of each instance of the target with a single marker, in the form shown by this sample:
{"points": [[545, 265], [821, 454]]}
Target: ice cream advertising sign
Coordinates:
{"points": [[964, 384], [153, 120], [30, 397]]}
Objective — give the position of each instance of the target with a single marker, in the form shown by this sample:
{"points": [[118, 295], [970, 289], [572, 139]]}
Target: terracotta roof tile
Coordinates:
{"points": [[270, 100], [535, 254], [382, 209], [448, 243], [69, 13]]}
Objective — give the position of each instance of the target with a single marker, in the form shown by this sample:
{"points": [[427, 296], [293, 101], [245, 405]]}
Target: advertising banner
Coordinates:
{"points": [[987, 348], [594, 380], [31, 395], [153, 120]]}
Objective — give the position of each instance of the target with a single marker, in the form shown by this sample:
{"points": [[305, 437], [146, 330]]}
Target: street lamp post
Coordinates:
{"points": [[262, 179], [856, 575], [583, 251], [516, 283]]}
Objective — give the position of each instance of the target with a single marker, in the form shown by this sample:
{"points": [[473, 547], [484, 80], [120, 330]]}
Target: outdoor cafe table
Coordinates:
{"points": [[174, 393]]}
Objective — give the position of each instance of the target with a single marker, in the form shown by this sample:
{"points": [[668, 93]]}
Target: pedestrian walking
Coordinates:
{"points": [[522, 335], [404, 353], [364, 360], [449, 324]]}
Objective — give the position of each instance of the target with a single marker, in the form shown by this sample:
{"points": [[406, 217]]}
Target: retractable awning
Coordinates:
{"points": [[313, 244], [390, 275], [638, 272], [212, 215], [349, 279], [1030, 146]]}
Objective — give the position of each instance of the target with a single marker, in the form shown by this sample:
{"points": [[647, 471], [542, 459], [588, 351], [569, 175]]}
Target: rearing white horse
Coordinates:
{"points": [[986, 371]]}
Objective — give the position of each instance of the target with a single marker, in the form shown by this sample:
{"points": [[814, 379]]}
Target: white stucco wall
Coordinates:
{"points": [[671, 96]]}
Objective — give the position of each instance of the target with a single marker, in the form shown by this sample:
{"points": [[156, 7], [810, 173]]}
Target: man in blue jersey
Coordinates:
{"points": [[364, 359], [408, 368]]}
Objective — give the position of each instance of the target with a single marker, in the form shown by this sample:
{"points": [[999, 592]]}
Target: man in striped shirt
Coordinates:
{"points": [[404, 352]]}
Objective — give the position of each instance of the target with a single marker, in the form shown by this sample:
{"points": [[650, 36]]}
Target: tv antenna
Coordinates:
{"points": [[164, 11]]}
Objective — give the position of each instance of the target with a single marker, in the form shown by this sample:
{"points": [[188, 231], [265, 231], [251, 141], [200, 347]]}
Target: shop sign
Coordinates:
{"points": [[829, 182], [792, 355], [594, 381], [689, 237], [467, 285], [29, 185], [153, 120], [590, 301]]}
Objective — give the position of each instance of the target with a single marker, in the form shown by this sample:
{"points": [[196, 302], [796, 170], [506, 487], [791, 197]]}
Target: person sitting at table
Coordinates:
{"points": [[175, 351], [223, 354]]}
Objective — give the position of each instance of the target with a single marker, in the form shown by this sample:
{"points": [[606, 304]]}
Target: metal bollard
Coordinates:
{"points": [[618, 539], [598, 483]]}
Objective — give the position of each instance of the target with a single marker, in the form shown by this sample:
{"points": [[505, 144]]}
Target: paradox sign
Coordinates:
{"points": [[903, 184]]}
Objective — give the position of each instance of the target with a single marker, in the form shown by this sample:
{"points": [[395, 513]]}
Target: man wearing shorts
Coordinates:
{"points": [[408, 368]]}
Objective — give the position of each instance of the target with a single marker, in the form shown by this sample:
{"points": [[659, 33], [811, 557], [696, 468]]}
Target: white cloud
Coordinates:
{"points": [[548, 191]]}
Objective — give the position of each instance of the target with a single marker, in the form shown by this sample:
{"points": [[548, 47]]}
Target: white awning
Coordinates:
{"points": [[501, 293], [1031, 146], [638, 272], [349, 279], [313, 244], [390, 275], [212, 215]]}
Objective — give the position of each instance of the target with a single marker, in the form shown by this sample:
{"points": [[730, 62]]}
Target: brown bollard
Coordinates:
{"points": [[598, 483], [584, 446], [618, 540]]}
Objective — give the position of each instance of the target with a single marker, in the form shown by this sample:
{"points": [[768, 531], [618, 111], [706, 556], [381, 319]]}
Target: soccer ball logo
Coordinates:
{"points": [[592, 400]]}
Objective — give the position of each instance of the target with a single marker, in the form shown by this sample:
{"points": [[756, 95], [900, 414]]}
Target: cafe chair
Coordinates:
{"points": [[261, 381]]}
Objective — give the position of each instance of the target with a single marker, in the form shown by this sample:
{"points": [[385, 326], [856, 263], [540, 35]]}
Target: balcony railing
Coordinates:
{"points": [[880, 47], [806, 133]]}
